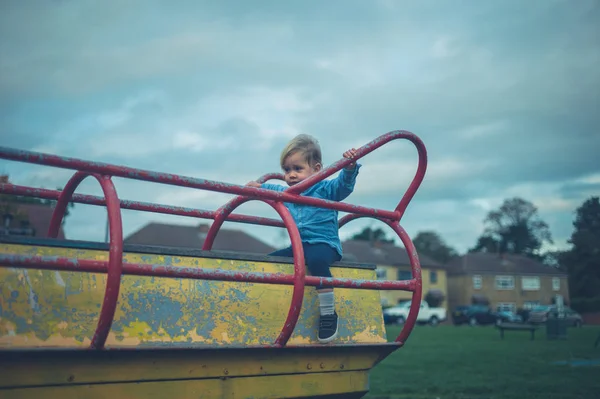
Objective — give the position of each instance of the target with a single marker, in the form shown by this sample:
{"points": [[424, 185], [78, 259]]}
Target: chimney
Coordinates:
{"points": [[203, 228], [7, 219], [202, 231]]}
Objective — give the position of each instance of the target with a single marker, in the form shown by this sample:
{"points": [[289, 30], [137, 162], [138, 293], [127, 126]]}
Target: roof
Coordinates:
{"points": [[31, 216], [171, 235], [483, 262], [381, 253]]}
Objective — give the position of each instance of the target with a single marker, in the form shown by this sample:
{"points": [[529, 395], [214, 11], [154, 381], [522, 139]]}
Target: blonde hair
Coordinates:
{"points": [[307, 145]]}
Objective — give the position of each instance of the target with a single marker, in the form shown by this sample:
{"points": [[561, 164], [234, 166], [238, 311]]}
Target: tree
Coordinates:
{"points": [[434, 298], [486, 243], [431, 244], [514, 228], [583, 259], [554, 259], [368, 234]]}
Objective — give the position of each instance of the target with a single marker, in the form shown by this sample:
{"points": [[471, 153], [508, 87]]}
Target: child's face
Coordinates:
{"points": [[296, 169]]}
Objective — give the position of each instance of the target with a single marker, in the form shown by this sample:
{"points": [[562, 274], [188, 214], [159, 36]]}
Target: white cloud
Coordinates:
{"points": [[483, 130], [215, 91], [197, 142], [589, 179], [445, 47]]}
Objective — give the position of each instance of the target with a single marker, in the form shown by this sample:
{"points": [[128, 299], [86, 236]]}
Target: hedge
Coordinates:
{"points": [[586, 305]]}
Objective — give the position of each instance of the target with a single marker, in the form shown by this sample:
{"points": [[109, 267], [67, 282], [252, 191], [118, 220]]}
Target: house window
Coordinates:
{"points": [[556, 283], [528, 305], [433, 277], [505, 283], [477, 282], [530, 283], [506, 307], [404, 275], [381, 273]]}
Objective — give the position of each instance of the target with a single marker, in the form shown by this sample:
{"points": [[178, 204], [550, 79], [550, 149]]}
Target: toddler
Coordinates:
{"points": [[318, 227]]}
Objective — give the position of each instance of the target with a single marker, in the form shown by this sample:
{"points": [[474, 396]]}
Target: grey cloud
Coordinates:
{"points": [[446, 70], [578, 190]]}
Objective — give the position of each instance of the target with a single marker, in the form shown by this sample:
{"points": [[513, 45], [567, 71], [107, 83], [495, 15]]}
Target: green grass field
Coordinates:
{"points": [[448, 362]]}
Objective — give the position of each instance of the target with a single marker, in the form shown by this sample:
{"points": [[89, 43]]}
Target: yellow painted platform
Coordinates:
{"points": [[176, 337], [232, 373], [60, 309]]}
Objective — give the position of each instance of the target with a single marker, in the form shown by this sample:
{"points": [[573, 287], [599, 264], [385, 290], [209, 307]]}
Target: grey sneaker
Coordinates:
{"points": [[328, 328]]}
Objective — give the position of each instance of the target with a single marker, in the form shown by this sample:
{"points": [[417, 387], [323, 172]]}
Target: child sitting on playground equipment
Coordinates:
{"points": [[318, 227]]}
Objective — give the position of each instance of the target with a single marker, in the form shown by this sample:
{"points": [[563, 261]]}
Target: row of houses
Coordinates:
{"points": [[507, 282]]}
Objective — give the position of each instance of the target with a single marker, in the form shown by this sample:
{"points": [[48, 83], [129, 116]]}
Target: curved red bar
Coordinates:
{"points": [[415, 266], [270, 176], [223, 212], [419, 175], [366, 149], [115, 255], [297, 250], [348, 218], [63, 201]]}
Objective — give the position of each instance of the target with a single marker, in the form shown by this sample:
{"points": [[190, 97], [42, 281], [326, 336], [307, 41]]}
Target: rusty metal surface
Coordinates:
{"points": [[160, 306], [185, 181], [103, 172], [13, 189], [59, 263], [115, 258]]}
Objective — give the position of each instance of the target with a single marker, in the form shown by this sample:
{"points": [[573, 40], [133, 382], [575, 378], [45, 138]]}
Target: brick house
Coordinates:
{"points": [[26, 220], [393, 264], [507, 282], [172, 235]]}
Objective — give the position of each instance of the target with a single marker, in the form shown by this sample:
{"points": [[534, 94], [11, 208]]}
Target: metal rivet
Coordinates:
{"points": [[341, 366], [225, 371], [308, 366], [71, 378], [322, 365]]}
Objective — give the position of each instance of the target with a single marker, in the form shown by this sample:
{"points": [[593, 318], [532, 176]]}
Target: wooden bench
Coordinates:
{"points": [[516, 327]]}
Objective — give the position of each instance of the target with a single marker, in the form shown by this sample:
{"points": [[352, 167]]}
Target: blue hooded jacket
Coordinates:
{"points": [[320, 225]]}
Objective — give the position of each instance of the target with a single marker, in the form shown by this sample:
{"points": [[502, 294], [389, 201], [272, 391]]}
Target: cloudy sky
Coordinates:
{"points": [[505, 95]]}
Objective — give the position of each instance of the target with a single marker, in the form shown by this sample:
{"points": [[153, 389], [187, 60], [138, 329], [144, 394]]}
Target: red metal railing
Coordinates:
{"points": [[115, 266]]}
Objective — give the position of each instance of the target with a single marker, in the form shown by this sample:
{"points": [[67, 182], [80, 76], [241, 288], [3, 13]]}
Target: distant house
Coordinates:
{"points": [[393, 264], [506, 282], [172, 235], [26, 220], [22, 218]]}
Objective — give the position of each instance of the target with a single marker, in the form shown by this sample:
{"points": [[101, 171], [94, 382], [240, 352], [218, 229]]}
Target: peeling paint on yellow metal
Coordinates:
{"points": [[60, 309]]}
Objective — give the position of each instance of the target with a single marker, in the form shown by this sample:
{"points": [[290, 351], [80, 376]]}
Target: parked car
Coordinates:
{"points": [[508, 317], [399, 313], [540, 314], [477, 315]]}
